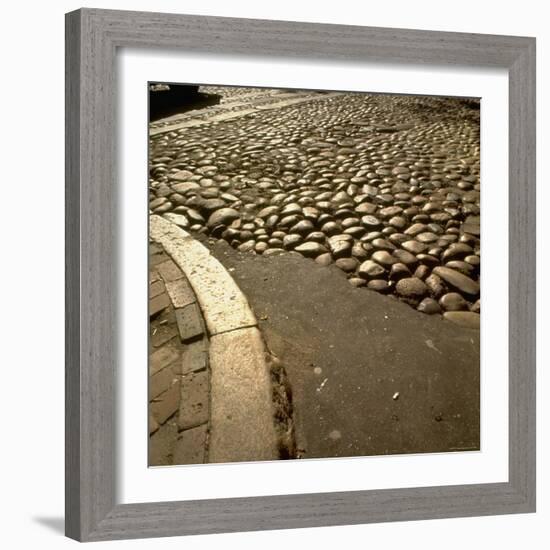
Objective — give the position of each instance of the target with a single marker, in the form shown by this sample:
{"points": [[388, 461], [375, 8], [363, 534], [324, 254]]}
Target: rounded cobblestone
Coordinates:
{"points": [[389, 179]]}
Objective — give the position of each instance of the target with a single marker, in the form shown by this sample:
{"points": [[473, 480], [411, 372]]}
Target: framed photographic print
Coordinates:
{"points": [[278, 312]]}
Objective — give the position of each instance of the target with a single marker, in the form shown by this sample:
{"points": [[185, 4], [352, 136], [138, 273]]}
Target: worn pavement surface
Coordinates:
{"points": [[369, 375]]}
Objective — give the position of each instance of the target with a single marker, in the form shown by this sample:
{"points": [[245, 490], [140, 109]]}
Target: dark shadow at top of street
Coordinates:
{"points": [[172, 99]]}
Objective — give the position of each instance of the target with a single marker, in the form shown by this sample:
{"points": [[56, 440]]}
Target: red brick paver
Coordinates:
{"points": [[179, 383]]}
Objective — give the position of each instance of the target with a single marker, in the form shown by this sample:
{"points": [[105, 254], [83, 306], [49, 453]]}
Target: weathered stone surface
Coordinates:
{"points": [[223, 305], [189, 322], [405, 257], [178, 219], [390, 211], [169, 271], [194, 216], [429, 306], [194, 404], [153, 424], [291, 209], [473, 260], [155, 288], [264, 213], [275, 252], [380, 285], [370, 270], [311, 249], [411, 288], [435, 284], [211, 205], [292, 241], [384, 258], [302, 228], [190, 446], [427, 259], [371, 222], [247, 246], [156, 203], [472, 226], [457, 280], [194, 357], [185, 187], [223, 216], [375, 165], [161, 382], [414, 247], [331, 228], [456, 251], [163, 357], [181, 175], [365, 208], [359, 251], [383, 244], [158, 304], [422, 272], [241, 397], [427, 237], [340, 245], [415, 229], [324, 259], [180, 293], [399, 271], [166, 404], [462, 267], [347, 264], [161, 334], [453, 301], [161, 444], [354, 341]]}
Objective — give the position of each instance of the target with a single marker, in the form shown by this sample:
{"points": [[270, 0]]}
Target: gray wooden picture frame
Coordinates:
{"points": [[92, 39]]}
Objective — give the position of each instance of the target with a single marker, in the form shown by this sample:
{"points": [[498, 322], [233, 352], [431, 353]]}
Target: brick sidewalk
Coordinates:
{"points": [[179, 384]]}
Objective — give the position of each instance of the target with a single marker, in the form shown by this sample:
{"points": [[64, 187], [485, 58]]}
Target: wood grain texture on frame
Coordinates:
{"points": [[92, 37]]}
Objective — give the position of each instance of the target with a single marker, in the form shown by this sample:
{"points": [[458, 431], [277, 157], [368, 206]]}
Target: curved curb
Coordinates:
{"points": [[223, 304], [241, 410]]}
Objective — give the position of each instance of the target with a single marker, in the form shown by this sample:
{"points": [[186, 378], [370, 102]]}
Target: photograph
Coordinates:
{"points": [[259, 258], [314, 274]]}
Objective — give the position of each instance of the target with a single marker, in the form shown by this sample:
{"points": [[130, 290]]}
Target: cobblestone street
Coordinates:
{"points": [[385, 187], [296, 193]]}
